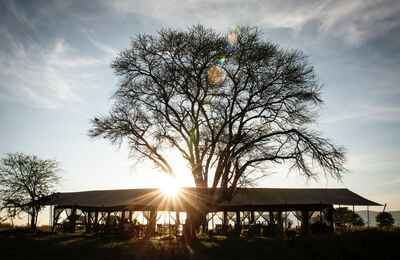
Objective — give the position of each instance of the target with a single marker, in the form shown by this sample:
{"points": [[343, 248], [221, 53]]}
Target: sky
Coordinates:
{"points": [[55, 76]]}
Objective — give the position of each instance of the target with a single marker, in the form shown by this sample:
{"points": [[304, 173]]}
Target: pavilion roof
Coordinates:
{"points": [[243, 198]]}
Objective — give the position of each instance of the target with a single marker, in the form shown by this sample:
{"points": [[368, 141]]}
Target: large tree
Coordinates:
{"points": [[23, 180], [231, 105]]}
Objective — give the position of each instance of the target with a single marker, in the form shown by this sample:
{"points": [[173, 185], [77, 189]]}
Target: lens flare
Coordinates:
{"points": [[233, 35], [215, 75], [221, 60], [169, 186], [232, 38]]}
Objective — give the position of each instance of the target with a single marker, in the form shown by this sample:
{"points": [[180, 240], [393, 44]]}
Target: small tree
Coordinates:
{"points": [[23, 180], [10, 212], [384, 219]]}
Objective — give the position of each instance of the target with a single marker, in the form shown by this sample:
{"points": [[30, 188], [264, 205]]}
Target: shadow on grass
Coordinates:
{"points": [[367, 244]]}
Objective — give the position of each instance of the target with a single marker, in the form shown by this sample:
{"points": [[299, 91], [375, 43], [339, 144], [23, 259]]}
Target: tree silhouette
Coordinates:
{"points": [[23, 180], [230, 105], [345, 217], [385, 219]]}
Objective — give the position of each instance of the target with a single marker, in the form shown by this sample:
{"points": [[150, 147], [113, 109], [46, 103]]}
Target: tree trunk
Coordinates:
{"points": [[33, 221], [196, 214], [33, 217], [194, 220]]}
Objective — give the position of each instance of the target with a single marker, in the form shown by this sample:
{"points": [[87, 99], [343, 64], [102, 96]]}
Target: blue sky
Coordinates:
{"points": [[55, 76]]}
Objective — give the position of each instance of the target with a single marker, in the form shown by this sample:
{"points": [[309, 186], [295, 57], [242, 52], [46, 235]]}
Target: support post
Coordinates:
{"points": [[96, 220], [73, 219], [88, 221], [280, 222], [177, 222], [108, 218], [304, 222], [271, 218], [56, 214], [329, 217], [238, 223], [50, 217], [130, 216], [177, 218], [286, 220], [368, 216], [204, 223], [252, 218], [212, 221], [123, 216], [224, 221]]}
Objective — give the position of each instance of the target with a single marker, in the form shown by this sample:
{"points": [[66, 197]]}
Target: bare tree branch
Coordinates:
{"points": [[259, 114]]}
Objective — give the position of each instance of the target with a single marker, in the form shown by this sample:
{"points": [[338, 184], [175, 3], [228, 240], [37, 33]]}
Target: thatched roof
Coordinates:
{"points": [[244, 198]]}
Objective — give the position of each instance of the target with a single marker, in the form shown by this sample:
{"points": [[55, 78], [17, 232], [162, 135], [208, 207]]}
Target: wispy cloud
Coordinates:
{"points": [[42, 76], [353, 21], [109, 51], [367, 113], [359, 20]]}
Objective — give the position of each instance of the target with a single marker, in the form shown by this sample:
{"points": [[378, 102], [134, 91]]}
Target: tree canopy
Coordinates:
{"points": [[23, 180], [230, 104]]}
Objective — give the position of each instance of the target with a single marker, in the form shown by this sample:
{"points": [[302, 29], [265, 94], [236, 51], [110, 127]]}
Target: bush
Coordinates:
{"points": [[384, 219], [319, 228], [346, 217]]}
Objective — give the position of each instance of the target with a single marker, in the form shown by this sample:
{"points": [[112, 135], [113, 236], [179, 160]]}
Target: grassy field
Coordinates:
{"points": [[366, 244]]}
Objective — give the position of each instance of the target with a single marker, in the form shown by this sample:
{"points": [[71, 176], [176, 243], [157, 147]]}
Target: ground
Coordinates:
{"points": [[364, 244]]}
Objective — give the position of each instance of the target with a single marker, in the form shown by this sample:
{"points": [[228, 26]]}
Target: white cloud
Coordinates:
{"points": [[359, 20], [353, 21], [42, 76]]}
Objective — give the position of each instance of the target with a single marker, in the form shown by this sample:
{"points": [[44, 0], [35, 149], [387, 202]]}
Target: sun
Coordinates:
{"points": [[169, 185]]}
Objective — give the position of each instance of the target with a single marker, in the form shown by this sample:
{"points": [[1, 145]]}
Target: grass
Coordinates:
{"points": [[363, 244]]}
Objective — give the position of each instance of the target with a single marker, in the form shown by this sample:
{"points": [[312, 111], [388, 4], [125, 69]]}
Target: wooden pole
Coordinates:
{"points": [[329, 217], [55, 218], [252, 218], [123, 216], [304, 222], [169, 223], [130, 216], [212, 221], [237, 224], [96, 220], [177, 222], [224, 221], [108, 218], [88, 220], [178, 218], [280, 222], [286, 221], [73, 219], [271, 218]]}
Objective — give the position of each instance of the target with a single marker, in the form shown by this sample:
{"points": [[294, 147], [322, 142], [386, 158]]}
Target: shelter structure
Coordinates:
{"points": [[139, 211]]}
